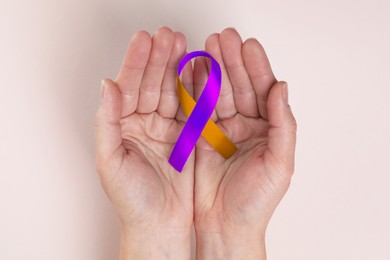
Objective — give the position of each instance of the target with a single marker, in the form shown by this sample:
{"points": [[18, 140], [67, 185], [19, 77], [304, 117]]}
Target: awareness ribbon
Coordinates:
{"points": [[199, 113]]}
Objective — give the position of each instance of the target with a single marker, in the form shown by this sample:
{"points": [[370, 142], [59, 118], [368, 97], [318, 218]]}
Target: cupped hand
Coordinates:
{"points": [[136, 127], [138, 123], [237, 196]]}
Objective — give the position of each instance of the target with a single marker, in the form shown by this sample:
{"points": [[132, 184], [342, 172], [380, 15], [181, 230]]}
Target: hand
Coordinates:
{"points": [[136, 127], [235, 198]]}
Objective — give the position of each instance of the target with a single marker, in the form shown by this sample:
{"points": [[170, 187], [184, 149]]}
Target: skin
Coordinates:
{"points": [[230, 202]]}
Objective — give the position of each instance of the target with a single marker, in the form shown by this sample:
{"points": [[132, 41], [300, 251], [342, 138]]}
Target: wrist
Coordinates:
{"points": [[230, 245], [155, 244]]}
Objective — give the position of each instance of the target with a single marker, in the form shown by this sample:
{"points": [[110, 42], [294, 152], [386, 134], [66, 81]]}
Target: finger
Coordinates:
{"points": [[132, 69], [169, 102], [149, 95], [225, 106], [259, 71], [187, 80], [108, 134], [243, 92], [282, 131], [201, 75]]}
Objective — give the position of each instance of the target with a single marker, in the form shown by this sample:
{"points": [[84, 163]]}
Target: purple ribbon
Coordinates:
{"points": [[200, 114]]}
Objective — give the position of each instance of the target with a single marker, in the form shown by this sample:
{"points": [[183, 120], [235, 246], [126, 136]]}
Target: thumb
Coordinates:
{"points": [[283, 127], [108, 133]]}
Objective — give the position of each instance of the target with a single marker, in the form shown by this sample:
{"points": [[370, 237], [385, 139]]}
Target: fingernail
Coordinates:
{"points": [[102, 87], [285, 93]]}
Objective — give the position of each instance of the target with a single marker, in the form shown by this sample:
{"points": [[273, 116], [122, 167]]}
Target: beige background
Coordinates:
{"points": [[334, 54]]}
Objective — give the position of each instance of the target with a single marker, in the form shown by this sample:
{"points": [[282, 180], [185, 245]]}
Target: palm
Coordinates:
{"points": [[145, 177], [244, 181]]}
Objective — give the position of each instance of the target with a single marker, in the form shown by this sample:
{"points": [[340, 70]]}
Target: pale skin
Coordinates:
{"points": [[230, 202]]}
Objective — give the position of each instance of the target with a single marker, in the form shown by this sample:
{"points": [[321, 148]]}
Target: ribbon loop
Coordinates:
{"points": [[199, 113]]}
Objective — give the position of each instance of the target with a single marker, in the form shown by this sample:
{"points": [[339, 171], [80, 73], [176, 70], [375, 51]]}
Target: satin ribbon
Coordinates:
{"points": [[199, 113]]}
